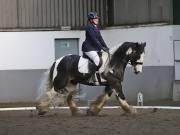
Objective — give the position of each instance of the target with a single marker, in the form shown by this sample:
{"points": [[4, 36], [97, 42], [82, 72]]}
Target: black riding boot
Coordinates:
{"points": [[93, 79]]}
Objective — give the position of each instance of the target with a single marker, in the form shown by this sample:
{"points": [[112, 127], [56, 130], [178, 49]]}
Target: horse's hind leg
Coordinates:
{"points": [[97, 105], [72, 105], [45, 101]]}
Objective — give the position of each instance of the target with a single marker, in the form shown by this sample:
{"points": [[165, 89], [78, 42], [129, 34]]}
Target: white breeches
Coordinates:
{"points": [[93, 55]]}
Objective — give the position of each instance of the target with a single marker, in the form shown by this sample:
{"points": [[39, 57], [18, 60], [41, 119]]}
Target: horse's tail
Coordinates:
{"points": [[51, 75], [46, 83]]}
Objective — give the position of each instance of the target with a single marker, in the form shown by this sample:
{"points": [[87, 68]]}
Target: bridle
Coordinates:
{"points": [[133, 62], [136, 63]]}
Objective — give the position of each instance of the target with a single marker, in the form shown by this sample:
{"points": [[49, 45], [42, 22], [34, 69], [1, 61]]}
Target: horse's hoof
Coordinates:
{"points": [[77, 113], [133, 110], [91, 113], [125, 114], [42, 113], [154, 110], [130, 110]]}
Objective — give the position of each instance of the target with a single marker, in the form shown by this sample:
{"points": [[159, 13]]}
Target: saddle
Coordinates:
{"points": [[87, 66]]}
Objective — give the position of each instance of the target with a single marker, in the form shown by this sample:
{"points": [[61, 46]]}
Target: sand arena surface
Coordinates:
{"points": [[109, 122]]}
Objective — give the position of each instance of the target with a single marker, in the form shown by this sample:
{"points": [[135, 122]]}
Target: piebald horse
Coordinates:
{"points": [[65, 73]]}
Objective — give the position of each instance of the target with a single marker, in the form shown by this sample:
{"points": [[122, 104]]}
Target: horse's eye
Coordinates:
{"points": [[134, 51]]}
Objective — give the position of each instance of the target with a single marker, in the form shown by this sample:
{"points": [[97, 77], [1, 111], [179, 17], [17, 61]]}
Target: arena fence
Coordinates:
{"points": [[106, 107]]}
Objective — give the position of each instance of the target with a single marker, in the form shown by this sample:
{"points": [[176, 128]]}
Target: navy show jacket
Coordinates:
{"points": [[94, 40]]}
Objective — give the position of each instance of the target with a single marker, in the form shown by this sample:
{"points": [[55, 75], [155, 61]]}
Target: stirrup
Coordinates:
{"points": [[92, 79], [97, 74], [95, 78]]}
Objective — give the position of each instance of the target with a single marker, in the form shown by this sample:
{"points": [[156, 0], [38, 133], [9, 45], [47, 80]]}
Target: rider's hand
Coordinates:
{"points": [[106, 49]]}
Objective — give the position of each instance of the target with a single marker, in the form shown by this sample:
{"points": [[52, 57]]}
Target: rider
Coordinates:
{"points": [[94, 42]]}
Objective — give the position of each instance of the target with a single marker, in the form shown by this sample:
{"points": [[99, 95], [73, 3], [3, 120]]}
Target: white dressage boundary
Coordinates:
{"points": [[106, 107]]}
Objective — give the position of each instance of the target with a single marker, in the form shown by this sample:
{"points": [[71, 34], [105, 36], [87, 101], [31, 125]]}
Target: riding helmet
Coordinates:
{"points": [[92, 15]]}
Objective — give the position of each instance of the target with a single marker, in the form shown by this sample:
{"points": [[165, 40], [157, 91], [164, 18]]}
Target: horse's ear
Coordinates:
{"points": [[137, 44], [144, 44]]}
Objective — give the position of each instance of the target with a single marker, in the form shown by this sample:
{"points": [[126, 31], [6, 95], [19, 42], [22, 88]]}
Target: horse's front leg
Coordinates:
{"points": [[97, 105], [122, 100]]}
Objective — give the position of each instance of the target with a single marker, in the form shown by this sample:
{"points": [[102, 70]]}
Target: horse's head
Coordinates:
{"points": [[136, 56]]}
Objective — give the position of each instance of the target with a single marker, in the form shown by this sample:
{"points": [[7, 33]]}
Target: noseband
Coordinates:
{"points": [[132, 62], [138, 63]]}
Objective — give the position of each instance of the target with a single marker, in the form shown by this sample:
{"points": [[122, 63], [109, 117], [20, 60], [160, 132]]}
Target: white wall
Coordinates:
{"points": [[159, 48], [176, 32], [35, 50], [30, 50], [176, 84]]}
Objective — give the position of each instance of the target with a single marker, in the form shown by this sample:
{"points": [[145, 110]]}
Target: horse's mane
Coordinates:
{"points": [[120, 53]]}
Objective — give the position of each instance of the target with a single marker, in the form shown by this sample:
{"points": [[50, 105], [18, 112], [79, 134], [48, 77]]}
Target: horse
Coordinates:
{"points": [[65, 73]]}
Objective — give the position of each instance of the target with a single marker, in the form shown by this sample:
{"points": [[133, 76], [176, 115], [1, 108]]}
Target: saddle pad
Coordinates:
{"points": [[105, 61], [83, 65]]}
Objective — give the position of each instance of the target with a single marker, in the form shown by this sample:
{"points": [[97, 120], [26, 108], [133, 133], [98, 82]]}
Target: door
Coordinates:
{"points": [[65, 46], [176, 84], [177, 59]]}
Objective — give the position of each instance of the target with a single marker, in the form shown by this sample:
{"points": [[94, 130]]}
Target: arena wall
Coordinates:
{"points": [[24, 56]]}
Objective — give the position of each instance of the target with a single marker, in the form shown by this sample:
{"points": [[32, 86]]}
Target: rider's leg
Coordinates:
{"points": [[93, 55]]}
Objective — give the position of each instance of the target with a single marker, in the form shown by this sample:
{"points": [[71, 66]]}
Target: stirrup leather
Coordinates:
{"points": [[95, 79]]}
